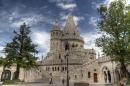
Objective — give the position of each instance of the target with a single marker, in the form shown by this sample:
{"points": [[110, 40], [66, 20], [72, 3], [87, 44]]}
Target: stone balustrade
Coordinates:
{"points": [[64, 61], [104, 59], [73, 37]]}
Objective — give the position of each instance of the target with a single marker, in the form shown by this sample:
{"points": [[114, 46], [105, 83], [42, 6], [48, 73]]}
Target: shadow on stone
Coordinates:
{"points": [[81, 84]]}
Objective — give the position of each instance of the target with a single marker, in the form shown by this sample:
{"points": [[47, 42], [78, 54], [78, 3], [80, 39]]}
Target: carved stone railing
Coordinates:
{"points": [[72, 69], [73, 37], [64, 61], [104, 59]]}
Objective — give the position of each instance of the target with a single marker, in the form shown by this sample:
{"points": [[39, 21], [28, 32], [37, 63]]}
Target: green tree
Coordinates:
{"points": [[21, 51], [114, 25]]}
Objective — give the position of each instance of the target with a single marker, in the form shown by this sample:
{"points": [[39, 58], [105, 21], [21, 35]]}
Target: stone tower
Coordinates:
{"points": [[55, 61], [56, 35]]}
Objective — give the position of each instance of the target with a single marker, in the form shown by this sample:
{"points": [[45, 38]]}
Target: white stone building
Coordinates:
{"points": [[83, 65]]}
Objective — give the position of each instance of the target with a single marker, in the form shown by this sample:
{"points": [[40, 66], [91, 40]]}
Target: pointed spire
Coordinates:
{"points": [[70, 27], [56, 22], [70, 21], [56, 27]]}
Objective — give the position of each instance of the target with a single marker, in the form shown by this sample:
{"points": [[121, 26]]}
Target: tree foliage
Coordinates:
{"points": [[114, 25], [21, 51]]}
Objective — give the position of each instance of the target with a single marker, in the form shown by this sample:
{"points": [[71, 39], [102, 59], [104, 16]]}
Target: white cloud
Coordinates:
{"points": [[89, 39], [32, 20], [59, 1], [67, 6], [43, 41], [28, 20], [93, 21], [1, 50], [77, 19]]}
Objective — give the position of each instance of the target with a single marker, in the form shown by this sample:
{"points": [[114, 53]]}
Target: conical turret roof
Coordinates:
{"points": [[70, 27]]}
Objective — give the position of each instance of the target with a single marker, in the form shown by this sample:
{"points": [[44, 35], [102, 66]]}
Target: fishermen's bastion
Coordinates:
{"points": [[83, 64]]}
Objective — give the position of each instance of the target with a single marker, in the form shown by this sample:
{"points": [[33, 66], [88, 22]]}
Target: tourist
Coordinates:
{"points": [[50, 79], [121, 82], [124, 80]]}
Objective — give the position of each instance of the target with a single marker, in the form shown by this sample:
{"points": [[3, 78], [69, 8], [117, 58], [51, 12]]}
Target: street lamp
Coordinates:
{"points": [[67, 55]]}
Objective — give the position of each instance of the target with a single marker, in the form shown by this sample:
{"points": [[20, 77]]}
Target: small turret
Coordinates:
{"points": [[56, 35]]}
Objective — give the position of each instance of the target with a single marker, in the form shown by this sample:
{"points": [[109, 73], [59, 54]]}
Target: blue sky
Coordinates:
{"points": [[40, 16]]}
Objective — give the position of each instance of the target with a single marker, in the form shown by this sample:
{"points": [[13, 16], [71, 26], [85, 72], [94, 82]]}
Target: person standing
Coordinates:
{"points": [[124, 80], [121, 82], [50, 79]]}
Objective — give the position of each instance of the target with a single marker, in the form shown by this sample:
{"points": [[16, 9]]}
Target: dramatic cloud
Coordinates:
{"points": [[69, 5], [93, 21], [89, 39], [43, 41]]}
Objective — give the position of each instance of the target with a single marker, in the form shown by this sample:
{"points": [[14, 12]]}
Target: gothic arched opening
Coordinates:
{"points": [[6, 75], [109, 76], [66, 46], [105, 76]]}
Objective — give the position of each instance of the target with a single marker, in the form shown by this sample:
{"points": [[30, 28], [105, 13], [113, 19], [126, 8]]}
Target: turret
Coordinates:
{"points": [[56, 35], [70, 27]]}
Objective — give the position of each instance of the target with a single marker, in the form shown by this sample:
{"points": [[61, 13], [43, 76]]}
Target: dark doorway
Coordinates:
{"points": [[6, 75], [109, 76], [95, 77]]}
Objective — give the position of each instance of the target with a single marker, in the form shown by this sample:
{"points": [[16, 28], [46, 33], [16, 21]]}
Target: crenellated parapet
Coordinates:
{"points": [[104, 59]]}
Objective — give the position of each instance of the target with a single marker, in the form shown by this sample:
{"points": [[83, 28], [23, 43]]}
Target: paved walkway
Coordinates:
{"points": [[55, 84]]}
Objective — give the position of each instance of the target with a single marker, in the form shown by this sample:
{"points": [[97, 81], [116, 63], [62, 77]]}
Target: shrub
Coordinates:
{"points": [[11, 81]]}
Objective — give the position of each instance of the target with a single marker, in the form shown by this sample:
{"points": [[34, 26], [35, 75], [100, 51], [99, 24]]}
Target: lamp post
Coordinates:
{"points": [[67, 55]]}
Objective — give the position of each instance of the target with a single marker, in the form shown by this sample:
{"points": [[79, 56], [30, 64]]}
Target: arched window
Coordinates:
{"points": [[63, 68], [89, 75], [67, 33], [75, 76], [72, 45], [59, 56], [81, 45], [67, 47], [58, 68], [52, 68], [56, 33], [6, 75]]}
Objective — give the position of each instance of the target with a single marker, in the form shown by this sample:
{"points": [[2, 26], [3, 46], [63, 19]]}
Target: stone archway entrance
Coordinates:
{"points": [[107, 75], [95, 77], [6, 75]]}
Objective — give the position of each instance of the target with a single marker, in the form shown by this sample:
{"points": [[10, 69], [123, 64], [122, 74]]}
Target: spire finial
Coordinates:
{"points": [[56, 22]]}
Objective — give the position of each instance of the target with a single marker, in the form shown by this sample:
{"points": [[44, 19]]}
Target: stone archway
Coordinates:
{"points": [[107, 75], [6, 75], [95, 77]]}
